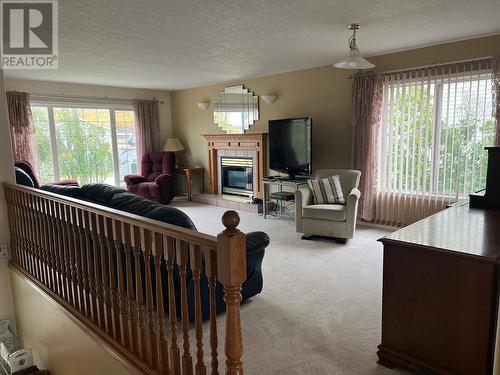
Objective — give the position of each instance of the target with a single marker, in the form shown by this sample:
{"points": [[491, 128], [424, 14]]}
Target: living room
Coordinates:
{"points": [[147, 110]]}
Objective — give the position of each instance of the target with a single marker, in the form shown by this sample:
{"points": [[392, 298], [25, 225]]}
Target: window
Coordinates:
{"points": [[434, 129], [86, 143]]}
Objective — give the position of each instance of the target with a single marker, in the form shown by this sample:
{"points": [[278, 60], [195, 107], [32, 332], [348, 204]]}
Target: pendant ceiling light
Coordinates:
{"points": [[354, 60]]}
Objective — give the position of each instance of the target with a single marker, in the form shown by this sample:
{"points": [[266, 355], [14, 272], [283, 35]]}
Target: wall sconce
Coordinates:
{"points": [[269, 99], [203, 105]]}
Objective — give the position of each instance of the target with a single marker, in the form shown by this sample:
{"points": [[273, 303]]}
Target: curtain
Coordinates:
{"points": [[147, 120], [21, 126], [496, 95], [436, 122], [366, 115]]}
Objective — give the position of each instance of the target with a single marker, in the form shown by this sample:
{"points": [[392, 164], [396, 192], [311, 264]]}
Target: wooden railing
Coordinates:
{"points": [[88, 258]]}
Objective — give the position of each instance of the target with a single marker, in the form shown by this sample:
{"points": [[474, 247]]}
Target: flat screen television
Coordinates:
{"points": [[290, 148]]}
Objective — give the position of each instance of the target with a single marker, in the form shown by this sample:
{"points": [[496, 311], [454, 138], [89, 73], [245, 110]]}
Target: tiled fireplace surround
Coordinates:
{"points": [[252, 145]]}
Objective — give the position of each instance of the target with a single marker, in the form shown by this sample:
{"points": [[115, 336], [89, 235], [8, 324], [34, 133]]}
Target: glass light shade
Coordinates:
{"points": [[173, 145], [354, 61]]}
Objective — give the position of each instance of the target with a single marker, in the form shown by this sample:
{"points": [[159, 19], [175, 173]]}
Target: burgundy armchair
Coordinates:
{"points": [[157, 180]]}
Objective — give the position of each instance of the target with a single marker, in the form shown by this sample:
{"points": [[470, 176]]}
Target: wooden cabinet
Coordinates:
{"points": [[440, 285]]}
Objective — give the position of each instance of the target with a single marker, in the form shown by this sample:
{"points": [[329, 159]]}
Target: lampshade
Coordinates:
{"points": [[354, 60], [173, 145]]}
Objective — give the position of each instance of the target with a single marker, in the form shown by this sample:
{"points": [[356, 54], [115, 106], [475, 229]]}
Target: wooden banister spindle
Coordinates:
{"points": [[29, 232], [195, 262], [68, 250], [12, 225], [39, 239], [132, 310], [22, 228], [182, 261], [52, 246], [22, 239], [146, 244], [92, 245], [32, 235], [76, 263], [104, 274], [120, 297], [162, 346], [169, 251], [43, 239], [10, 218], [211, 271], [112, 282], [231, 267], [73, 292], [46, 243], [25, 220], [96, 270], [84, 270], [139, 292], [59, 250]]}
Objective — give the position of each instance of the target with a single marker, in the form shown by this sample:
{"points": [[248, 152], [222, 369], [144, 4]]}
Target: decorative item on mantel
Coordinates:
{"points": [[173, 145], [269, 99], [354, 60]]}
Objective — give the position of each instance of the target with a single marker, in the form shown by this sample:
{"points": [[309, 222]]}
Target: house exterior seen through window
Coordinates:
{"points": [[85, 143]]}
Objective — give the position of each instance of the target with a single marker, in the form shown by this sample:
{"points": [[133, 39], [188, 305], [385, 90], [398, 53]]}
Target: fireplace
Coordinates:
{"points": [[249, 148], [237, 177]]}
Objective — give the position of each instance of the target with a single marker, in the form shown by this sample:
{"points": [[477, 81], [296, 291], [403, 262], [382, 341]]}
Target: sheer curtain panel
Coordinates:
{"points": [[435, 124]]}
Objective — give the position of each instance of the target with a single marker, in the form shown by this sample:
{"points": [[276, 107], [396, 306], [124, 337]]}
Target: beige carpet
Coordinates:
{"points": [[320, 310]]}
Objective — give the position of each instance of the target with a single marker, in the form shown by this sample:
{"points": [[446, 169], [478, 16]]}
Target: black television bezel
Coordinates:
{"points": [[292, 172]]}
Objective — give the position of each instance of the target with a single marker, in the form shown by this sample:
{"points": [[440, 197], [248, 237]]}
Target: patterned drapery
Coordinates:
{"points": [[367, 98], [147, 120], [21, 126]]}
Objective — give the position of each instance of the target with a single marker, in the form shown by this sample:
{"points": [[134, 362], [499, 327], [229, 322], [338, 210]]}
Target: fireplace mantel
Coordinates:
{"points": [[240, 142]]}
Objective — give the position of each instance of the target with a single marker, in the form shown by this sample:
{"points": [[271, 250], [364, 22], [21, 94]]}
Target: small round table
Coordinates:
{"points": [[189, 172]]}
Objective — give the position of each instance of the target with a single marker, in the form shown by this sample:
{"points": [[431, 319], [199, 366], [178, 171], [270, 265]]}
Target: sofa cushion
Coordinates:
{"points": [[132, 203], [171, 215], [100, 193], [66, 190], [332, 212], [22, 178]]}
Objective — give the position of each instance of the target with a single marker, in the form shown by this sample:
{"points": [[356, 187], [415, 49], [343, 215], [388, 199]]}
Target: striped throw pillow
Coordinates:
{"points": [[327, 190]]}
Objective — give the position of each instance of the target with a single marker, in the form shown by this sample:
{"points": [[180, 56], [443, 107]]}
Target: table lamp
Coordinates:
{"points": [[173, 145]]}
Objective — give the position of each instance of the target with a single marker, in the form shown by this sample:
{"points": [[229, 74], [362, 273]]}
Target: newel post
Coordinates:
{"points": [[232, 272]]}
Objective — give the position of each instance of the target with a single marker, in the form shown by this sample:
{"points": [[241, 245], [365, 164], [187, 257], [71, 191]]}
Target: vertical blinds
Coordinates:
{"points": [[435, 125]]}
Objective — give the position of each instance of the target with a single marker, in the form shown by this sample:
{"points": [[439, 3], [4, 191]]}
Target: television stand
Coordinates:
{"points": [[280, 183]]}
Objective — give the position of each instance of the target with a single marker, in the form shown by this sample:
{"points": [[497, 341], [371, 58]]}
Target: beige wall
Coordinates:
{"points": [[6, 174], [58, 344], [323, 93], [37, 87]]}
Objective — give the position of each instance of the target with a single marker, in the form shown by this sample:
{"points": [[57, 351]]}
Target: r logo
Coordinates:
{"points": [[27, 28]]}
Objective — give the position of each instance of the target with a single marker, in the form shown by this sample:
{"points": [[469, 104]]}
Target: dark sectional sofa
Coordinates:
{"points": [[120, 199]]}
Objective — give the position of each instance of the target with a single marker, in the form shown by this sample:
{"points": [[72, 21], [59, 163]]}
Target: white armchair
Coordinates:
{"points": [[332, 220]]}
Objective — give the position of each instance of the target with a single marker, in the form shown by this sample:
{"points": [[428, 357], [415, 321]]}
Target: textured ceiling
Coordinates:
{"points": [[173, 44]]}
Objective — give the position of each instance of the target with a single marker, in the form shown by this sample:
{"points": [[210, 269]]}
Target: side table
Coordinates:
{"points": [[189, 172]]}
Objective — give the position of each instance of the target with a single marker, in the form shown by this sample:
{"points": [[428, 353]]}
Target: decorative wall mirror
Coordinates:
{"points": [[236, 109]]}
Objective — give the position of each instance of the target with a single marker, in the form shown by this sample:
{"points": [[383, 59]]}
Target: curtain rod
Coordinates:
{"points": [[79, 97], [351, 76]]}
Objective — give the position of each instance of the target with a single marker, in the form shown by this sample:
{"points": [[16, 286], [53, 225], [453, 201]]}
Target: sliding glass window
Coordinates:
{"points": [[88, 143]]}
